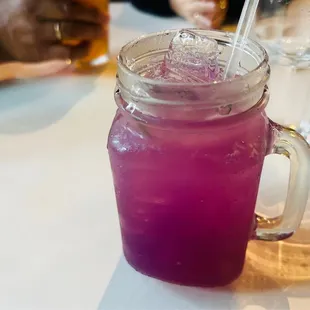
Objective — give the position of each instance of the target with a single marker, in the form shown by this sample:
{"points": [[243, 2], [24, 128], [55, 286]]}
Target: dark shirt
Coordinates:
{"points": [[162, 8]]}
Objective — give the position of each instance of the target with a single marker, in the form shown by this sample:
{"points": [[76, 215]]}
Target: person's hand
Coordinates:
{"points": [[204, 14], [34, 30], [19, 71]]}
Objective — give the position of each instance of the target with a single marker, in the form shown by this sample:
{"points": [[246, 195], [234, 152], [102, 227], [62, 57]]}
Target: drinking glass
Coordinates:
{"points": [[98, 53], [186, 161], [282, 26], [290, 98], [220, 13]]}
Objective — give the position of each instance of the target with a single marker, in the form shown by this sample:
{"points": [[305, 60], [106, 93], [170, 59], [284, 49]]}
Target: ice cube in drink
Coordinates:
{"points": [[192, 57]]}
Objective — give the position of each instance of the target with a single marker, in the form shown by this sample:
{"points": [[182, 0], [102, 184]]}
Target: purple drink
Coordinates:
{"points": [[186, 206], [186, 161]]}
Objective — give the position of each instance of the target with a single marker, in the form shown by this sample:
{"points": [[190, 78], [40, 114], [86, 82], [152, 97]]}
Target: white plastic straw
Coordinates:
{"points": [[243, 30]]}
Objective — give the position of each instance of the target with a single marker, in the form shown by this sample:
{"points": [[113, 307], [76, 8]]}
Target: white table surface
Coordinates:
{"points": [[59, 235]]}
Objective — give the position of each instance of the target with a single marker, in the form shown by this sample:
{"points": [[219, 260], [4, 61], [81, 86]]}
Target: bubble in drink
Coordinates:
{"points": [[192, 57]]}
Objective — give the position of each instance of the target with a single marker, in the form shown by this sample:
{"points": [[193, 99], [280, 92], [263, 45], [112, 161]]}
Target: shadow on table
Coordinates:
{"points": [[132, 291], [274, 271], [35, 104], [271, 275]]}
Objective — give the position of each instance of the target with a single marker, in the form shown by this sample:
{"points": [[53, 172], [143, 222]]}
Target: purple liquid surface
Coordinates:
{"points": [[186, 201]]}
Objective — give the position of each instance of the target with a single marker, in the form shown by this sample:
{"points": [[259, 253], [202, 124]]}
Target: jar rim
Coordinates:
{"points": [[214, 34]]}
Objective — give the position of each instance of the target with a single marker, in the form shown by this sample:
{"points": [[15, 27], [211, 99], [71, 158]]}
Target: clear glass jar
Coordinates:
{"points": [[187, 159]]}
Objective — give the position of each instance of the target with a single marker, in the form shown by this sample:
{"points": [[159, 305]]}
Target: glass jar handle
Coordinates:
{"points": [[289, 143]]}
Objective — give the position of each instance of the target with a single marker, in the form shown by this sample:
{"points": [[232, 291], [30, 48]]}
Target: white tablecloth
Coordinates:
{"points": [[59, 233]]}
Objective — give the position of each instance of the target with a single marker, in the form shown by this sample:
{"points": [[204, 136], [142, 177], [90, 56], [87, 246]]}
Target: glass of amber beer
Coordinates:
{"points": [[98, 53], [221, 10]]}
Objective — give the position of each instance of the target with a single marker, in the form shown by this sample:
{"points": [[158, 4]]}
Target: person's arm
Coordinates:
{"points": [[163, 8], [17, 70], [158, 7]]}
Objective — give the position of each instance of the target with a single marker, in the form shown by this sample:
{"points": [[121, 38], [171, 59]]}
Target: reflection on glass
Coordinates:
{"points": [[283, 27]]}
